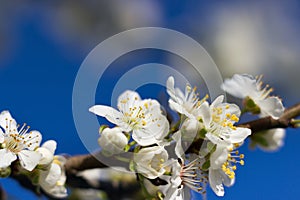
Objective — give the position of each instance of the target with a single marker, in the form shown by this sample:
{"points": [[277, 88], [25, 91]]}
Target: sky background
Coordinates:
{"points": [[43, 43]]}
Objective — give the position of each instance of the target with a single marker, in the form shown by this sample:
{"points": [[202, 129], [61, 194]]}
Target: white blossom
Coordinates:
{"points": [[151, 161], [52, 179], [18, 142], [244, 85], [221, 127], [143, 117], [183, 103], [112, 141]]}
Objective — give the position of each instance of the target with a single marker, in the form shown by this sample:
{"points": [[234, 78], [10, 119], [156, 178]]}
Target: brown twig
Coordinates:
{"points": [[267, 123]]}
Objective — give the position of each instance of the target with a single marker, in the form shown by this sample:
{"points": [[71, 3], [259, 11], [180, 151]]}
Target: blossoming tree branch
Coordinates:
{"points": [[196, 150]]}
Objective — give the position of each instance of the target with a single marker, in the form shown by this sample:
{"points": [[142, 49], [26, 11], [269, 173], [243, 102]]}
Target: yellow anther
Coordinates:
{"points": [[230, 149], [188, 88], [242, 156], [56, 162], [219, 111], [237, 152], [124, 101], [242, 162], [146, 105], [144, 123], [234, 167], [228, 115], [216, 118], [234, 118], [227, 107]]}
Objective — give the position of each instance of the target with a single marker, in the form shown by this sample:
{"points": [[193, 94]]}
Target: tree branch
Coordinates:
{"points": [[267, 123]]}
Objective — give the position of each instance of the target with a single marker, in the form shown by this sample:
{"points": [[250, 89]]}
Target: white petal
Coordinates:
{"points": [[50, 145], [240, 86], [215, 181], [109, 113], [217, 101], [58, 191], [239, 135], [6, 158], [271, 106], [205, 113], [226, 180], [128, 99], [7, 120], [49, 177], [47, 156], [189, 129], [170, 87], [1, 136], [62, 160], [178, 148], [29, 159], [153, 132], [33, 140], [214, 139], [218, 157]]}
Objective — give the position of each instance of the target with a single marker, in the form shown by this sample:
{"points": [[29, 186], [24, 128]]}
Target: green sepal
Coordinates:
{"points": [[202, 133], [206, 165], [102, 127], [132, 166], [259, 139]]}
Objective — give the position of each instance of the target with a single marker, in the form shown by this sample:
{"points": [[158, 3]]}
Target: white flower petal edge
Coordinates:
{"points": [[244, 85], [215, 182], [29, 159], [241, 86], [6, 158], [272, 106]]}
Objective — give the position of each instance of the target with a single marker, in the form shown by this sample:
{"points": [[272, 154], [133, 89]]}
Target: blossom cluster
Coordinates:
{"points": [[20, 149], [201, 148]]}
